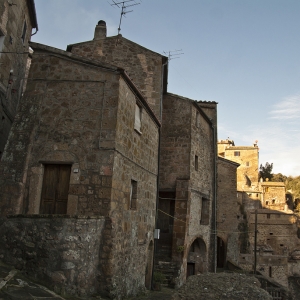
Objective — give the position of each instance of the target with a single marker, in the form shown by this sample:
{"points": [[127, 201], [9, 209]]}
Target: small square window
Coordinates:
{"points": [[138, 117], [237, 153], [133, 195], [196, 162]]}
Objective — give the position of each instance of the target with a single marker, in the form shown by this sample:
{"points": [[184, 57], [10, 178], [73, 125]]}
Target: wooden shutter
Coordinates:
{"points": [[55, 189]]}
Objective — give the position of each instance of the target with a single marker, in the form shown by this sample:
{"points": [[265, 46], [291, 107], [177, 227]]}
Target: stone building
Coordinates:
{"points": [[86, 163], [79, 178], [273, 195], [187, 188], [278, 245], [17, 19], [230, 217], [247, 158]]}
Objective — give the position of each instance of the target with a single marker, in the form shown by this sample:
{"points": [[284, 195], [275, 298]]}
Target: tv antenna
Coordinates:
{"points": [[172, 54], [125, 4]]}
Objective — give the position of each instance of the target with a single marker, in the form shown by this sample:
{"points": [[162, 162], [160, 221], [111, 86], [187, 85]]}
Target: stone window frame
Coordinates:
{"points": [[36, 184], [133, 194]]}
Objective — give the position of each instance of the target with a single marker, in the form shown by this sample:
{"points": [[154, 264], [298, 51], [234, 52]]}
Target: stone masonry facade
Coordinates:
{"points": [[79, 113], [16, 24], [101, 148]]}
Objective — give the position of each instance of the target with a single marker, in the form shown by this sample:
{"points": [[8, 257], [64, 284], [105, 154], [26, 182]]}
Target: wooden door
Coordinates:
{"points": [[55, 189], [190, 269]]}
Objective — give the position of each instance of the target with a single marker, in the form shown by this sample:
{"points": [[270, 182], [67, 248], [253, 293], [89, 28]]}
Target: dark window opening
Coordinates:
{"points": [[133, 194], [247, 164], [196, 162], [271, 233], [204, 212], [270, 271], [268, 216], [237, 153]]}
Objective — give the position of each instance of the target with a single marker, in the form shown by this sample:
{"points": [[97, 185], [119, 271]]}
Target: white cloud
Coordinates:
{"points": [[287, 109]]}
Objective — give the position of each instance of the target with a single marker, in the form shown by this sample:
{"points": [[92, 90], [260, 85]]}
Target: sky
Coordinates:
{"points": [[242, 54]]}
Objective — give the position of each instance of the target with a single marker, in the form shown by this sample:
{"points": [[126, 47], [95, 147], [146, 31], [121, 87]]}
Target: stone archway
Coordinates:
{"points": [[149, 265], [221, 253], [197, 258]]}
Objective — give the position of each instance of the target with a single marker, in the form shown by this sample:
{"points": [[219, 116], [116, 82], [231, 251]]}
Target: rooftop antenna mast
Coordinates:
{"points": [[125, 4], [172, 54]]}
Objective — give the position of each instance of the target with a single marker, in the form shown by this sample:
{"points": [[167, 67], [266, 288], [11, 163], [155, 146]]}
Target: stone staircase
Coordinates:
{"points": [[168, 268]]}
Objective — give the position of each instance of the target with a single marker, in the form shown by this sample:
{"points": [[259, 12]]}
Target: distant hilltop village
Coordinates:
{"points": [[110, 184]]}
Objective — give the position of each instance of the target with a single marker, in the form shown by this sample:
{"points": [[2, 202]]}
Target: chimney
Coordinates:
{"points": [[100, 31]]}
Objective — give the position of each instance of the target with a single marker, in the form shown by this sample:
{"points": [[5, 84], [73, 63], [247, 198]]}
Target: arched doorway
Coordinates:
{"points": [[221, 253], [197, 258], [149, 265]]}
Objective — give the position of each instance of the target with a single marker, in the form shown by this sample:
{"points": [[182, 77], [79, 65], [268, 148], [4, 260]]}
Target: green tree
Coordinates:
{"points": [[279, 177], [265, 171]]}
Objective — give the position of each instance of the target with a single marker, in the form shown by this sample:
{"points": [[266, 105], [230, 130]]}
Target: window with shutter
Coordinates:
{"points": [[138, 115]]}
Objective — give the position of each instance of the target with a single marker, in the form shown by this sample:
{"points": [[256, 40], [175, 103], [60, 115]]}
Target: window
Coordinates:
{"points": [[268, 216], [204, 212], [197, 119], [2, 37], [24, 32], [138, 115], [270, 271], [237, 153], [55, 189], [196, 162], [133, 195], [247, 164]]}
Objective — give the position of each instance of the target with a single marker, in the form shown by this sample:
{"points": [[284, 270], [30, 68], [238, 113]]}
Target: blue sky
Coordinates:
{"points": [[243, 54]]}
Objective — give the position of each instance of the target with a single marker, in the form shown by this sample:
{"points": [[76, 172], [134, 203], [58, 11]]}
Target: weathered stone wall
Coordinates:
{"points": [[11, 84], [136, 158], [145, 67], [229, 213], [175, 141], [61, 252], [65, 115], [82, 114], [187, 166]]}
